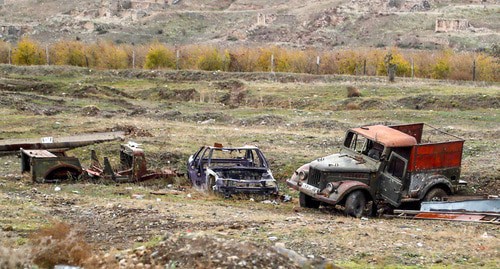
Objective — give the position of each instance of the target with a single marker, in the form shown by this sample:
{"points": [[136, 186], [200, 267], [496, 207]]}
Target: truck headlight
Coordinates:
{"points": [[302, 175]]}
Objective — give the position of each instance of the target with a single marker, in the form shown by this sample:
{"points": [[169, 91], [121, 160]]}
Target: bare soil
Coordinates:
{"points": [[164, 224]]}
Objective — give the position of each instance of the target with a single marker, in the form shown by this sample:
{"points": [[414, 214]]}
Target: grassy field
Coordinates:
{"points": [[292, 118]]}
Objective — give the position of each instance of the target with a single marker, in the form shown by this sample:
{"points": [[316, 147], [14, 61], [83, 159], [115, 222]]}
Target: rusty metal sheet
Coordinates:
{"points": [[448, 216], [386, 136]]}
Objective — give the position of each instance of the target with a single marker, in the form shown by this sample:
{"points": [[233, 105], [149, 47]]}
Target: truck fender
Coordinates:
{"points": [[436, 181], [339, 190]]}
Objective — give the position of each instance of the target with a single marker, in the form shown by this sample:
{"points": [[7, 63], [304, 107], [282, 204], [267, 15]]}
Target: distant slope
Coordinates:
{"points": [[321, 23]]}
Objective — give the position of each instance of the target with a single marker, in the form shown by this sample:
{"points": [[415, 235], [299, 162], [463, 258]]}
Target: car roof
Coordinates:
{"points": [[386, 136], [233, 148]]}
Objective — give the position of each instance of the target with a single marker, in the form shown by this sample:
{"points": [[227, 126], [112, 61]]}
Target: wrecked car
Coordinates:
{"points": [[231, 170], [133, 166], [382, 164]]}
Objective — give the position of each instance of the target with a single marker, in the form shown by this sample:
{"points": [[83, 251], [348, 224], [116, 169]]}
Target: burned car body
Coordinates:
{"points": [[231, 170], [382, 164]]}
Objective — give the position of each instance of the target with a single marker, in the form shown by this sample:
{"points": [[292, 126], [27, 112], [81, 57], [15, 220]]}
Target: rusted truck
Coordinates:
{"points": [[382, 164]]}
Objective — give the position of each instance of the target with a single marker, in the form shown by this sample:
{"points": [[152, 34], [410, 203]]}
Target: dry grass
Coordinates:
{"points": [[59, 243]]}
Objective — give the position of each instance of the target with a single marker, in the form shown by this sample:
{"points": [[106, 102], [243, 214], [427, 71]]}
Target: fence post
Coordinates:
{"points": [[177, 56], [474, 70], [317, 64]]}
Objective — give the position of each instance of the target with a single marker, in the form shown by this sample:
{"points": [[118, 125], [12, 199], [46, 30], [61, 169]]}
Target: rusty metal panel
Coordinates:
{"points": [[433, 156], [386, 136], [414, 130]]}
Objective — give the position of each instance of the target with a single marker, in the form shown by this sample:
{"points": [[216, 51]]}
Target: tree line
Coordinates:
{"points": [[442, 64]]}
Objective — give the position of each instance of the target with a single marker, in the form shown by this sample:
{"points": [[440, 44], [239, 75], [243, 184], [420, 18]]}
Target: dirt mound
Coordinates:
{"points": [[374, 103], [42, 106], [326, 124], [202, 117], [196, 250], [130, 130], [95, 90], [440, 102], [164, 93], [90, 110], [230, 85], [263, 120], [27, 85]]}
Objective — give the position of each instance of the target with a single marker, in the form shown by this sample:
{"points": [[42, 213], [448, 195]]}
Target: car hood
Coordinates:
{"points": [[343, 162]]}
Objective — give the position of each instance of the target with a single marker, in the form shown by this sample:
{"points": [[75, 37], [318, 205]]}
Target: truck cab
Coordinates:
{"points": [[382, 164]]}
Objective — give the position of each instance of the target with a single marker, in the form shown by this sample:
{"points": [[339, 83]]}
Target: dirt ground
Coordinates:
{"points": [[168, 224]]}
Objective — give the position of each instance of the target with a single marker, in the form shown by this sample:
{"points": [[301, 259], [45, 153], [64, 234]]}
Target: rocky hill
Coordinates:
{"points": [[420, 24]]}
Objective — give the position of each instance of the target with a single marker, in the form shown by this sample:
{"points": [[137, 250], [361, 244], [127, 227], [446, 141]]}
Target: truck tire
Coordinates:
{"points": [[307, 201], [355, 204], [435, 194]]}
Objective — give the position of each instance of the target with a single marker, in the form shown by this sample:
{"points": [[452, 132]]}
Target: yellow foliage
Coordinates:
{"points": [[159, 56], [394, 57], [487, 68], [28, 52], [211, 60], [68, 53]]}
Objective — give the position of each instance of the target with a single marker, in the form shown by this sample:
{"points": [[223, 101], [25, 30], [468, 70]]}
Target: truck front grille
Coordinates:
{"points": [[314, 177]]}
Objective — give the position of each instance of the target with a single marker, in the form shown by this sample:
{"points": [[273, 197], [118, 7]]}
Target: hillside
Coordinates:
{"points": [[321, 23]]}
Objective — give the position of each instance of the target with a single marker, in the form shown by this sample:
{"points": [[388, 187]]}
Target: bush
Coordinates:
{"points": [[28, 52], [441, 69], [159, 56], [4, 52], [59, 244], [487, 68], [68, 53], [394, 58], [211, 60]]}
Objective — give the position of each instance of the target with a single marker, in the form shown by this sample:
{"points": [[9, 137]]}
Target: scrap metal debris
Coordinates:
{"points": [[12, 146], [133, 166], [482, 210]]}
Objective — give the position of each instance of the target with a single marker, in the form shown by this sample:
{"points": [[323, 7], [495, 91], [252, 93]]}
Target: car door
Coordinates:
{"points": [[194, 167], [391, 179]]}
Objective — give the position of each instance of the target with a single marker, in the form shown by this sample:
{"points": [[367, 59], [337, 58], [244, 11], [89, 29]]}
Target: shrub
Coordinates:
{"points": [[159, 56], [394, 58], [487, 68], [114, 56], [59, 244], [68, 53], [441, 69], [28, 52], [4, 52], [211, 60], [348, 61]]}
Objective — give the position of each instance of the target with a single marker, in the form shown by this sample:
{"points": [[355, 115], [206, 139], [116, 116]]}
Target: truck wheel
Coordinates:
{"points": [[355, 204], [436, 194], [307, 201]]}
